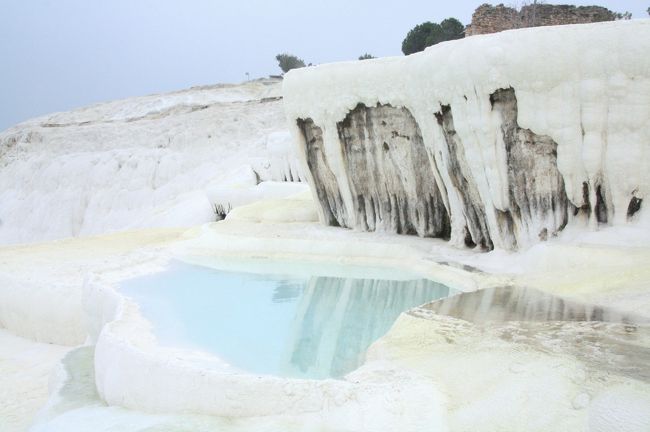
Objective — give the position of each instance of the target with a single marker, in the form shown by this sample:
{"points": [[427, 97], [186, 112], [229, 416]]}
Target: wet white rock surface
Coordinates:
{"points": [[497, 141]]}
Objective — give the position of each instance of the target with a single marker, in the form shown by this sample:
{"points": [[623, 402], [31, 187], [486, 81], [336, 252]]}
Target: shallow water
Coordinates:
{"points": [[510, 303], [293, 326], [602, 339]]}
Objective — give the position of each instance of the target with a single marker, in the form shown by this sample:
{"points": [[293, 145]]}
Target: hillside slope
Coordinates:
{"points": [[152, 161]]}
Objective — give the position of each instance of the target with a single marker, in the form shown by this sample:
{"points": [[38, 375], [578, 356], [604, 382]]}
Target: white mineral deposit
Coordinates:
{"points": [[453, 240]]}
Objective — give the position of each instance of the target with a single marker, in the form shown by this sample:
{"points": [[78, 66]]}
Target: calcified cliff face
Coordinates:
{"points": [[496, 141], [175, 159], [325, 184], [393, 184]]}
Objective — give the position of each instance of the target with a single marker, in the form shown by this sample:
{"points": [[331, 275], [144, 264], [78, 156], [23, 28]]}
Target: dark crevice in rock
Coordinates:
{"points": [[536, 187], [543, 234], [601, 205], [585, 208], [462, 180], [325, 182], [468, 239], [506, 223], [271, 99], [391, 174], [635, 206]]}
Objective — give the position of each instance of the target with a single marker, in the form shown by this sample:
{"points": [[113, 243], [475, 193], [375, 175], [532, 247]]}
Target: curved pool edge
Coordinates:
{"points": [[212, 243], [133, 371]]}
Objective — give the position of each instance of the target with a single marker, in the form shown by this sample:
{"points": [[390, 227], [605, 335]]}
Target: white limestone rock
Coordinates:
{"points": [[520, 133], [143, 162]]}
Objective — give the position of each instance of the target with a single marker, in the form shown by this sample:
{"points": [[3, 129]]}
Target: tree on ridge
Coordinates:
{"points": [[428, 34], [289, 61]]}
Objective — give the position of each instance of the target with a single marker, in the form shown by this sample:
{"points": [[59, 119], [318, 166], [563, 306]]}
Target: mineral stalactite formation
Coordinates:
{"points": [[536, 187], [493, 142], [392, 180], [476, 228], [327, 188]]}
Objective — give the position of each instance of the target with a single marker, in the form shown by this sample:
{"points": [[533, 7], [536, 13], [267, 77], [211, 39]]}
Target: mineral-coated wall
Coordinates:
{"points": [[493, 142]]}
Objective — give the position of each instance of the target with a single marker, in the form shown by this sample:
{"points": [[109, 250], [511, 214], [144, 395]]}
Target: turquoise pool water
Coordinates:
{"points": [[306, 326]]}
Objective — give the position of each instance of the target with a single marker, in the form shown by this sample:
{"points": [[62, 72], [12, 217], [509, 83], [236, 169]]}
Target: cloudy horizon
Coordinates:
{"points": [[64, 54]]}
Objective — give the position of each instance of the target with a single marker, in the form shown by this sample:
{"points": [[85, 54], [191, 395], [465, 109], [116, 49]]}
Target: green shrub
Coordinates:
{"points": [[428, 33], [288, 62]]}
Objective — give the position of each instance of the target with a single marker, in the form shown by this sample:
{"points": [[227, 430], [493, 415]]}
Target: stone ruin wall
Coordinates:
{"points": [[493, 19]]}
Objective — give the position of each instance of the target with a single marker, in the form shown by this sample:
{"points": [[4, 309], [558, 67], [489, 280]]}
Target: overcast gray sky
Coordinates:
{"points": [[61, 54]]}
